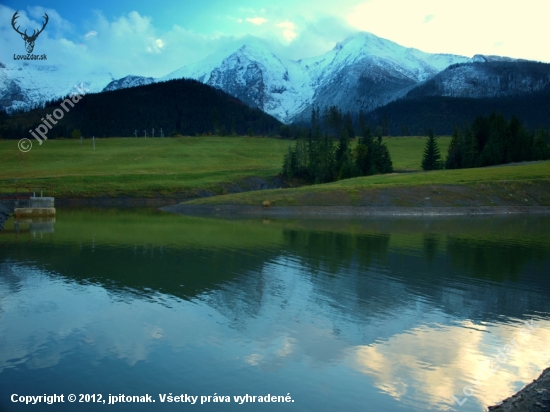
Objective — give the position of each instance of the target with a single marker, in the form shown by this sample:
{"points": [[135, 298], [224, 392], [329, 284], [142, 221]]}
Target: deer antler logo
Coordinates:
{"points": [[29, 40]]}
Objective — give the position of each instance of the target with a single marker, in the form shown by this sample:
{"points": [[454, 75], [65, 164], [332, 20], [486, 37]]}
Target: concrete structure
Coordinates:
{"points": [[38, 207]]}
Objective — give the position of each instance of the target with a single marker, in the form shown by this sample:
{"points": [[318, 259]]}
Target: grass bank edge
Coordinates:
{"points": [[523, 175]]}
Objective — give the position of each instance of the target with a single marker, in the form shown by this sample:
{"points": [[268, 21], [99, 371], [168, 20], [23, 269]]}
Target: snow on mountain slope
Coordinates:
{"points": [[128, 81], [254, 75], [498, 77], [364, 71], [411, 63], [26, 84]]}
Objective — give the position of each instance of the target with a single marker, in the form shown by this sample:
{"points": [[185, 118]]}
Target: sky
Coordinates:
{"points": [[154, 38]]}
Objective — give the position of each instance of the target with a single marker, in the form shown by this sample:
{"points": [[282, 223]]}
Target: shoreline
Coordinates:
{"points": [[533, 397], [346, 211]]}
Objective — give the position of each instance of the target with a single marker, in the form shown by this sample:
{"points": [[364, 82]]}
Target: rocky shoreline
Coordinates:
{"points": [[534, 397], [4, 214]]}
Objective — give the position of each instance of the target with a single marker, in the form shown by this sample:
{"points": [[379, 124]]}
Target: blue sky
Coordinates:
{"points": [[156, 37]]}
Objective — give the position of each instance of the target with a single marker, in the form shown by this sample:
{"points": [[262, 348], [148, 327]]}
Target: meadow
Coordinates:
{"points": [[159, 167], [507, 185]]}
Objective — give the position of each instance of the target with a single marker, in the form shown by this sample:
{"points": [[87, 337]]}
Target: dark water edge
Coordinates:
{"points": [[347, 211], [247, 184]]}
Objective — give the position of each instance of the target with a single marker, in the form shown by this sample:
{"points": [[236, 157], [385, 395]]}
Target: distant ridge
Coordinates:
{"points": [[364, 72], [182, 106]]}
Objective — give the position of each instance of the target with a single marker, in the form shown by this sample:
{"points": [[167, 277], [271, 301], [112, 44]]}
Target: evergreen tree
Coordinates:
{"points": [[364, 154], [345, 166], [541, 146], [75, 134], [454, 158], [382, 157], [348, 126], [431, 160], [361, 123], [386, 165]]}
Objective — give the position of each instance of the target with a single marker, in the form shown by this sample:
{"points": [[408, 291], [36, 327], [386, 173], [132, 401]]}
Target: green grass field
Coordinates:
{"points": [[140, 167], [151, 167], [406, 152], [349, 192]]}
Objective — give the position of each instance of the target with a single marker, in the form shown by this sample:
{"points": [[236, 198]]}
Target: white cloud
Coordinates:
{"points": [[286, 25], [258, 21], [134, 44], [465, 27], [129, 44], [289, 30]]}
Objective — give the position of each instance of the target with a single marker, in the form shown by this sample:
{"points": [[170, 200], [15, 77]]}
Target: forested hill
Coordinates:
{"points": [[180, 106], [414, 116]]}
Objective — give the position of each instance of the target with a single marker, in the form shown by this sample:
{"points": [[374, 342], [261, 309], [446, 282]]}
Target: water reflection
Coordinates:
{"points": [[401, 313], [34, 226]]}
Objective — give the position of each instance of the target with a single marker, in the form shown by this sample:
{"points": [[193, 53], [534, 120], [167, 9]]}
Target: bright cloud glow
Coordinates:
{"points": [[289, 32], [466, 27], [258, 21], [154, 45]]}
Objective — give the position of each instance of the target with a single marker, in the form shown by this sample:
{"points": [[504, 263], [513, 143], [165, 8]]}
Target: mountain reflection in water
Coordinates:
{"points": [[390, 314]]}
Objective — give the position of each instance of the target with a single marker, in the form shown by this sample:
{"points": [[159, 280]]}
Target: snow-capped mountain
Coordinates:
{"points": [[366, 72], [26, 84], [487, 76], [256, 76], [363, 72], [128, 81]]}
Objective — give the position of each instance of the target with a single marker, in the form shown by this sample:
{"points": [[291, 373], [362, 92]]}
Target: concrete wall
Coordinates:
{"points": [[41, 202]]}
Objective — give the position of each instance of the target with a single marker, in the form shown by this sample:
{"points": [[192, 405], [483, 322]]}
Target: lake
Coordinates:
{"points": [[385, 314]]}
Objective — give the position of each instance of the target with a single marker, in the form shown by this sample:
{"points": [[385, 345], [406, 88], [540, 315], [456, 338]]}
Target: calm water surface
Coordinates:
{"points": [[372, 315]]}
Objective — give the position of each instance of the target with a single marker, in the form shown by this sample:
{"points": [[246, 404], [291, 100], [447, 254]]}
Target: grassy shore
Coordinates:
{"points": [[159, 167], [508, 185]]}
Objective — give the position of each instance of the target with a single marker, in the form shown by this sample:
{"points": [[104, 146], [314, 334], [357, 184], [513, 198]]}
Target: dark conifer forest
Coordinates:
{"points": [[185, 107]]}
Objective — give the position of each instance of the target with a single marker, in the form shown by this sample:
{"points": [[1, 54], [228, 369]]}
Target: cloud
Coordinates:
{"points": [[127, 44], [314, 37], [467, 27], [133, 43], [289, 30], [286, 25], [258, 21]]}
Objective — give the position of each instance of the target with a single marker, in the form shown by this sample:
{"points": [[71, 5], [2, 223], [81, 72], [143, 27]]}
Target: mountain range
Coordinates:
{"points": [[364, 72]]}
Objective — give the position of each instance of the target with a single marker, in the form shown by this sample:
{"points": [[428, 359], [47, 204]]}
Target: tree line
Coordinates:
{"points": [[489, 140], [317, 158], [182, 106]]}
